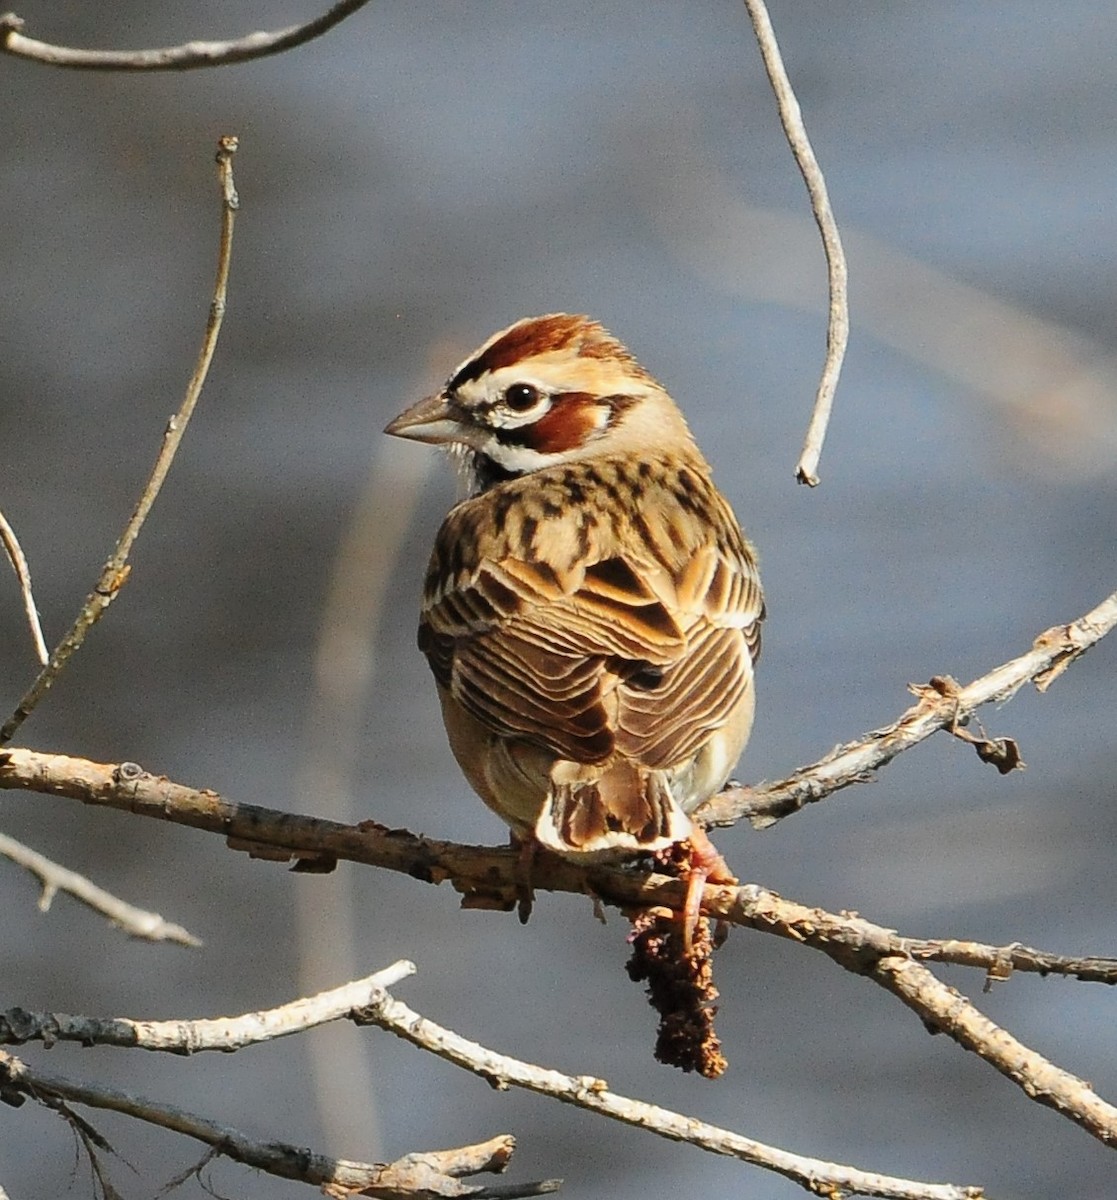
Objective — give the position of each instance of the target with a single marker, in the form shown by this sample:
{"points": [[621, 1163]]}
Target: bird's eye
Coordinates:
{"points": [[521, 397]]}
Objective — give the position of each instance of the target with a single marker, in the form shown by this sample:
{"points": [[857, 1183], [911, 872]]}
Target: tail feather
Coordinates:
{"points": [[595, 813]]}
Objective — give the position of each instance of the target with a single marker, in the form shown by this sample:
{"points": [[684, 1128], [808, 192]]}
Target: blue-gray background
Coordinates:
{"points": [[411, 182]]}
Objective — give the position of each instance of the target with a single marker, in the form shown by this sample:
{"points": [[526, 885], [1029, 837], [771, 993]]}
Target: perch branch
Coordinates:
{"points": [[837, 326], [186, 57], [585, 1091], [491, 871], [137, 922], [942, 705], [18, 560], [435, 1173], [114, 574]]}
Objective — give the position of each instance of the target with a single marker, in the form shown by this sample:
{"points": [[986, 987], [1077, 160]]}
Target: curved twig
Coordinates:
{"points": [[189, 56], [366, 1001], [837, 326], [18, 560], [114, 574]]}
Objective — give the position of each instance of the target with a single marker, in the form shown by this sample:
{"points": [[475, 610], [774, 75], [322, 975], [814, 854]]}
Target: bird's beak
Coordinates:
{"points": [[431, 420]]}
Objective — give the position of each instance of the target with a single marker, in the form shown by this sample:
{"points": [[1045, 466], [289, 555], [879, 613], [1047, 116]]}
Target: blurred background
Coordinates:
{"points": [[418, 178]]}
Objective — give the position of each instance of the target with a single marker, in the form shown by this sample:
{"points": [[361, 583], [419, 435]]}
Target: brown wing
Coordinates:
{"points": [[644, 651]]}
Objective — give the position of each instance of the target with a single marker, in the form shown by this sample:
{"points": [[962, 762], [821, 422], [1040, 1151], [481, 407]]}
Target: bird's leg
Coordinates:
{"points": [[705, 864]]}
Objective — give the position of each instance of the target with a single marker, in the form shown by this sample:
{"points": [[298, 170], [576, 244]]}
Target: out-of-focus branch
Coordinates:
{"points": [[424, 1175], [346, 662], [586, 1091], [943, 704], [115, 572], [837, 327], [186, 57], [18, 560], [137, 922], [189, 1037]]}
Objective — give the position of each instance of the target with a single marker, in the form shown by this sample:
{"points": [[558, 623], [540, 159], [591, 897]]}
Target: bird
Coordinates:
{"points": [[591, 611]]}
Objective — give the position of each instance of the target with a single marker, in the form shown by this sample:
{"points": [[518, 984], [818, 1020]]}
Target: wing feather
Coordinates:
{"points": [[641, 644]]}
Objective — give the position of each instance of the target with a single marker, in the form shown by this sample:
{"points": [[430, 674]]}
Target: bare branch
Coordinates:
{"points": [[943, 704], [837, 328], [189, 1037], [493, 871], [495, 874], [588, 1092], [115, 572], [186, 57], [137, 922], [434, 1173], [943, 1009], [860, 946], [18, 560]]}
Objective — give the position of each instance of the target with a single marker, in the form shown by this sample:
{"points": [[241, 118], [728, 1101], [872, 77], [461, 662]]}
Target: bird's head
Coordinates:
{"points": [[544, 391]]}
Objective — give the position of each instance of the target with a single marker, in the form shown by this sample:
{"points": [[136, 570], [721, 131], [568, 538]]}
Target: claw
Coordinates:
{"points": [[705, 864]]}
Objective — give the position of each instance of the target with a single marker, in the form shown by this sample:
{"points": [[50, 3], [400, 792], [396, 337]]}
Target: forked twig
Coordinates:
{"points": [[188, 56], [837, 327], [23, 574], [137, 922], [116, 569]]}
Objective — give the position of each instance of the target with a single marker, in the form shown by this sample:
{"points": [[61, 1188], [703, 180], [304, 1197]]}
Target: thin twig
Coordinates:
{"points": [[115, 571], [837, 327], [225, 1034], [423, 1175], [585, 1091], [1001, 962], [23, 574], [943, 704], [137, 922], [186, 57], [861, 947]]}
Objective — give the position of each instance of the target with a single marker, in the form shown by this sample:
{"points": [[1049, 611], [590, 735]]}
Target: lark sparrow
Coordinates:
{"points": [[591, 611]]}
